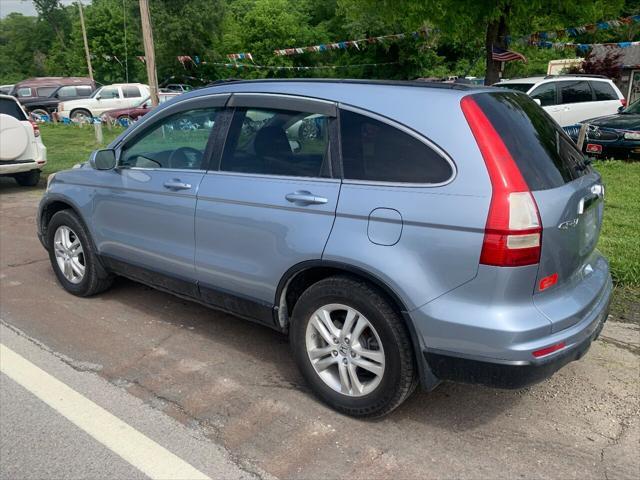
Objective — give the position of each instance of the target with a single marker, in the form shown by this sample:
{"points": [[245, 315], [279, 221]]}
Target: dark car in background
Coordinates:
{"points": [[612, 136], [45, 106]]}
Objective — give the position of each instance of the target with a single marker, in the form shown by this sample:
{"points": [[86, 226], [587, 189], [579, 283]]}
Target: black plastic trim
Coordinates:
{"points": [[283, 101]]}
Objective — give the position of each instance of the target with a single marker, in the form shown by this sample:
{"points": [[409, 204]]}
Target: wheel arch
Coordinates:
{"points": [[53, 205], [80, 108], [301, 276]]}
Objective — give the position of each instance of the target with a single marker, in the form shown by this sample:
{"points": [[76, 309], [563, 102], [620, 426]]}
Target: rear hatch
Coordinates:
{"points": [[569, 196]]}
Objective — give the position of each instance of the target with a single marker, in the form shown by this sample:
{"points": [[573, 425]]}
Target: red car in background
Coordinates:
{"points": [[126, 116]]}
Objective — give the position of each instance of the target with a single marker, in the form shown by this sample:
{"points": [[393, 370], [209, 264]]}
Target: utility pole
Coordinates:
{"points": [[86, 44], [149, 53]]}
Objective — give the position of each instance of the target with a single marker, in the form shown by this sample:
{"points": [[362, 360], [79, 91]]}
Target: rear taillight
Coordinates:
{"points": [[513, 233], [36, 128], [623, 101]]}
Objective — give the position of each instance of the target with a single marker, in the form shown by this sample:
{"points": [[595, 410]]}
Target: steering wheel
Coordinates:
{"points": [[179, 158]]}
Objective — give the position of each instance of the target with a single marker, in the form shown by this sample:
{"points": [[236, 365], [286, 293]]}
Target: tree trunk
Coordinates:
{"points": [[497, 31]]}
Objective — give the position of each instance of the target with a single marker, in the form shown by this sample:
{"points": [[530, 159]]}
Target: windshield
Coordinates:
{"points": [[521, 87], [634, 108]]}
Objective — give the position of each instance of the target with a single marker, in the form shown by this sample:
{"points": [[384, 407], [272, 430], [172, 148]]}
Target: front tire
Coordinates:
{"points": [[28, 179], [352, 347], [73, 258]]}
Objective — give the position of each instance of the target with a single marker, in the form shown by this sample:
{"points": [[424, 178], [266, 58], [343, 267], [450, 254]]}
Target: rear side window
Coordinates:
{"points": [[131, 92], [546, 93], [545, 155], [74, 91], [46, 91], [11, 108], [604, 91], [575, 92], [376, 151], [24, 92]]}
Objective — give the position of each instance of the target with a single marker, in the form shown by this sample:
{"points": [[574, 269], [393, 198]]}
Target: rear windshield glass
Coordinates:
{"points": [[544, 153], [521, 87], [11, 108]]}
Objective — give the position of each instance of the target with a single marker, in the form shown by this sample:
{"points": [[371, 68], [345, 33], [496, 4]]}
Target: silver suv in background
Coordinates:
{"points": [[570, 99], [400, 233]]}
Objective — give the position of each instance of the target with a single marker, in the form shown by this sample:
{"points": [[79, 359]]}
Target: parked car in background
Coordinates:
{"points": [[46, 106], [6, 89], [43, 87], [109, 97], [570, 99], [612, 136], [125, 116], [393, 247], [22, 153], [177, 87]]}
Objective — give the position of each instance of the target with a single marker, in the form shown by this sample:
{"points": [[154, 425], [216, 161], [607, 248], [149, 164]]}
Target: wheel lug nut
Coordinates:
{"points": [[334, 353], [353, 354], [335, 340], [346, 340], [344, 360]]}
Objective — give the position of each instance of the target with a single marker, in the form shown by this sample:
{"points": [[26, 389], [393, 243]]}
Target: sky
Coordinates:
{"points": [[24, 7]]}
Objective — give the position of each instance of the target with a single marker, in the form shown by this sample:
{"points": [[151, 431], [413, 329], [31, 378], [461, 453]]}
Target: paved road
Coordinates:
{"points": [[234, 384]]}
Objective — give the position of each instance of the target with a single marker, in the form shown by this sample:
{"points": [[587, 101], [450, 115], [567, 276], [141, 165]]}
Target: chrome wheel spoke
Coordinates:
{"points": [[320, 352], [356, 385], [359, 328], [374, 355], [322, 330], [345, 384], [367, 365], [348, 323], [77, 267], [325, 317], [325, 363]]}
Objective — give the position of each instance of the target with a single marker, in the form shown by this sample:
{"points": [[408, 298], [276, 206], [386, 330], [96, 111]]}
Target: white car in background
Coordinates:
{"points": [[109, 97], [570, 99], [22, 153]]}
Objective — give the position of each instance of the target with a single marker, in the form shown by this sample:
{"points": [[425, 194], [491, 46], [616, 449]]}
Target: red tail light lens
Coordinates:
{"points": [[513, 233], [36, 128], [623, 101], [548, 350]]}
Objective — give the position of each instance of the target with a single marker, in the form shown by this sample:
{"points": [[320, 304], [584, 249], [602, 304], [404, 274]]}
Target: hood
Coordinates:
{"points": [[629, 121]]}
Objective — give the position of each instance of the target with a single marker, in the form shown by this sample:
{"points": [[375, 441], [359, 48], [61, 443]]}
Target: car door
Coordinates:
{"points": [[144, 209], [577, 99], [107, 98], [546, 95], [271, 203]]}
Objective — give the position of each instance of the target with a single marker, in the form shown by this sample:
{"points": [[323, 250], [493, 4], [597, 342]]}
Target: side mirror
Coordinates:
{"points": [[103, 159], [537, 100], [620, 109], [98, 97]]}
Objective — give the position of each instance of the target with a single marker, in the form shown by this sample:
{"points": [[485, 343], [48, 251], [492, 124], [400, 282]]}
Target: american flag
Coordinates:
{"points": [[501, 55]]}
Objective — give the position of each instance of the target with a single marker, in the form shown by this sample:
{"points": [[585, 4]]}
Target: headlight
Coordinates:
{"points": [[50, 179], [632, 135]]}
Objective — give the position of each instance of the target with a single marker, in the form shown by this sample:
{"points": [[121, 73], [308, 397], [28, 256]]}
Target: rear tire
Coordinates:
{"points": [[79, 274], [28, 179], [344, 384]]}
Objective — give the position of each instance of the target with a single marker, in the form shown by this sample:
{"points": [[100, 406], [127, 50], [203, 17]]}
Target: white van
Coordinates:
{"points": [[570, 99]]}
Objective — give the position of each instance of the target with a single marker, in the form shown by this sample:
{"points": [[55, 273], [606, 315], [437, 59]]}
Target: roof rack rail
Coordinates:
{"points": [[590, 75]]}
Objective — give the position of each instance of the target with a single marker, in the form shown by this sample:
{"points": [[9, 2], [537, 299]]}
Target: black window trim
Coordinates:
{"points": [[218, 100], [280, 101], [556, 92], [409, 131]]}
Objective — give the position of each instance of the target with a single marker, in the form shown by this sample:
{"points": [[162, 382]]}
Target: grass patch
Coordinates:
{"points": [[620, 237], [619, 240], [71, 144]]}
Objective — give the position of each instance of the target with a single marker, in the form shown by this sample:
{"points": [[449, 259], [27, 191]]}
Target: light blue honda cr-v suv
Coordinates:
{"points": [[399, 232]]}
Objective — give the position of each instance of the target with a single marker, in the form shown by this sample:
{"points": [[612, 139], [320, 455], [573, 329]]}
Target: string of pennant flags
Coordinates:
{"points": [[241, 66]]}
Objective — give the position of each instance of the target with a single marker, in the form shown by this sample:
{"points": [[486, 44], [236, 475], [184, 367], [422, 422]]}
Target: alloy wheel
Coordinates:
{"points": [[69, 254]]}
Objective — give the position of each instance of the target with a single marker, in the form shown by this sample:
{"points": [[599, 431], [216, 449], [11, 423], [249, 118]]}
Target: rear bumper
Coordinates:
{"points": [[513, 375], [19, 167]]}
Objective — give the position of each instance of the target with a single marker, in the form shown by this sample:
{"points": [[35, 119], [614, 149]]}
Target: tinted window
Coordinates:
{"points": [[375, 151], [603, 91], [545, 155], [109, 92], [278, 142], [11, 108], [177, 141], [131, 92], [546, 93], [575, 92], [74, 91], [521, 87], [24, 92], [46, 91]]}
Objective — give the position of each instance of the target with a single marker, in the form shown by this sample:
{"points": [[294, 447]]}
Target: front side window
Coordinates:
{"points": [[604, 91], [546, 93], [66, 92], [109, 92], [575, 92], [278, 142], [178, 141], [131, 92], [376, 151]]}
